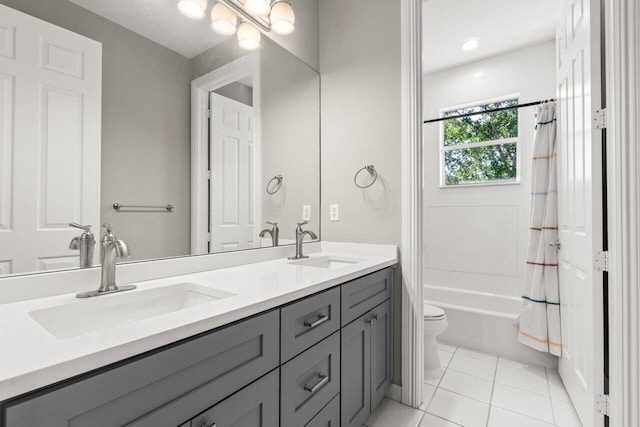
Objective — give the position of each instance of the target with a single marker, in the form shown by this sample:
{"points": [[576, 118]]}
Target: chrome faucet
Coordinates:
{"points": [[274, 233], [84, 243], [300, 233], [112, 248]]}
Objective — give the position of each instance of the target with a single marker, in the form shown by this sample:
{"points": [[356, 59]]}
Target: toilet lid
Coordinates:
{"points": [[431, 312]]}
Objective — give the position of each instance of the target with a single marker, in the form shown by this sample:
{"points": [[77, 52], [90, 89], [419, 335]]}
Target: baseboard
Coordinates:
{"points": [[394, 393]]}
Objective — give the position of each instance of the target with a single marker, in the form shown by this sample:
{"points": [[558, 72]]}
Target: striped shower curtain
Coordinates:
{"points": [[540, 318]]}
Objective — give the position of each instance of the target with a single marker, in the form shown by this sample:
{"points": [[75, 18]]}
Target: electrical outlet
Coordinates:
{"points": [[334, 213], [306, 212]]}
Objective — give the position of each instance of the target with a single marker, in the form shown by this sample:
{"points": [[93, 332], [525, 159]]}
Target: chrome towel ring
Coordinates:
{"points": [[277, 186], [372, 171]]}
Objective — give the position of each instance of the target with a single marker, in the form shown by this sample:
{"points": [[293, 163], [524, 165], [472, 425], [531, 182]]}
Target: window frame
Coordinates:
{"points": [[444, 149]]}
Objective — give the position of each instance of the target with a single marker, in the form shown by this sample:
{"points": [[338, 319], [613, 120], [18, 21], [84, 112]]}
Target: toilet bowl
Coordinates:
{"points": [[435, 323]]}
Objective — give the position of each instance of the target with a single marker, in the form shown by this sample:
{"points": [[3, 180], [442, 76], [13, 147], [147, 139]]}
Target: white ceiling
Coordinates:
{"points": [[500, 25], [160, 21]]}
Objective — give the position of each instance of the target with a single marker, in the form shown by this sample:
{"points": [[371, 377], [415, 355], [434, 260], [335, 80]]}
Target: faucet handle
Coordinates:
{"points": [[81, 227], [275, 224], [300, 224], [107, 228]]}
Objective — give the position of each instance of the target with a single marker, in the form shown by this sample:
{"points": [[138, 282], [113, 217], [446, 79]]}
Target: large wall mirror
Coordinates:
{"points": [[131, 114]]}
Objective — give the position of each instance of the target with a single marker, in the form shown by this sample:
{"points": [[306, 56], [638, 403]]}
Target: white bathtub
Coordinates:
{"points": [[484, 322]]}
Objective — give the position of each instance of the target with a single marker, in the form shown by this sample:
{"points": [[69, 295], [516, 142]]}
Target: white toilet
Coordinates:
{"points": [[435, 323]]}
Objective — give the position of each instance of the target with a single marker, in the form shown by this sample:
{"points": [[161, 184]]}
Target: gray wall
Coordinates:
{"points": [[290, 120], [145, 128], [361, 124], [238, 92]]}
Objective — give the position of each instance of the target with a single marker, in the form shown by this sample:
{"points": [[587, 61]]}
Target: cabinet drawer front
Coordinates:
{"points": [[361, 295], [254, 406], [309, 381], [207, 369], [329, 416], [306, 322]]}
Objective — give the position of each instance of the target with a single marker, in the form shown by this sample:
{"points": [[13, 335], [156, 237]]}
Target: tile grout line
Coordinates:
{"points": [[493, 386], [553, 409]]}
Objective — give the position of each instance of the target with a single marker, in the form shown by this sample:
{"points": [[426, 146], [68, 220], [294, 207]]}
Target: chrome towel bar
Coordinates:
{"points": [[141, 208]]}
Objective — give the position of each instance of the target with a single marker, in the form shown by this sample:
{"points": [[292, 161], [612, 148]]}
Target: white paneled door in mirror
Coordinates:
{"points": [[580, 206], [232, 176], [50, 109]]}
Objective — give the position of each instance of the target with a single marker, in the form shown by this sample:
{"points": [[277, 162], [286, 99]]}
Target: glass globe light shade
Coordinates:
{"points": [[248, 36], [282, 18], [258, 7], [194, 9], [223, 20]]}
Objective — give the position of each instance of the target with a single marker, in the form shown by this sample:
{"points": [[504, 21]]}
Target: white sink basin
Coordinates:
{"points": [[89, 315], [328, 261]]}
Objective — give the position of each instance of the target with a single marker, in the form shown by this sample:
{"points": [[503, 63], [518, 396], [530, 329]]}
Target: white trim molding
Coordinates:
{"points": [[412, 209], [622, 38]]}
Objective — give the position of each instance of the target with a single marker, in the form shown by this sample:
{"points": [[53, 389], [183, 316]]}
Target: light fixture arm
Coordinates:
{"points": [[238, 8]]}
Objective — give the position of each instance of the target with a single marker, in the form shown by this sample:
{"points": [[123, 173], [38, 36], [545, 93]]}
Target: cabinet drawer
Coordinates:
{"points": [[307, 322], [206, 369], [309, 381], [329, 416], [361, 295], [253, 406]]}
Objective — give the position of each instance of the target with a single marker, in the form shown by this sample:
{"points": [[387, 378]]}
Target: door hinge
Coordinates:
{"points": [[209, 174], [601, 261], [600, 119], [208, 237], [603, 404], [208, 113]]}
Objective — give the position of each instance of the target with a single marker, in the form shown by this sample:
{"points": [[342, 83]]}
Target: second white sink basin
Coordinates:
{"points": [[86, 316], [328, 261]]}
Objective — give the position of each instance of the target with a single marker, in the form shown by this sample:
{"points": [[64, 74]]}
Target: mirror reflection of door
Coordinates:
{"points": [[232, 154], [50, 103]]}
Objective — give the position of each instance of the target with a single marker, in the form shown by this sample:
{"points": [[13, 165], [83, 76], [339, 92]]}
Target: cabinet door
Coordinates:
{"points": [[381, 348], [254, 406], [329, 416], [355, 389]]}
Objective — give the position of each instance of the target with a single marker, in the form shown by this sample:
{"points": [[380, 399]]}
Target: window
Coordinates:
{"points": [[481, 148]]}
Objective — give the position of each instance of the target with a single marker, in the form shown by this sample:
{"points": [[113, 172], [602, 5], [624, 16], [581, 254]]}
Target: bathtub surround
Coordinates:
{"points": [[478, 235]]}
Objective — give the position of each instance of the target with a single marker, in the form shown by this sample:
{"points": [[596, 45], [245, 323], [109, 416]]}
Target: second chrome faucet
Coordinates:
{"points": [[300, 233]]}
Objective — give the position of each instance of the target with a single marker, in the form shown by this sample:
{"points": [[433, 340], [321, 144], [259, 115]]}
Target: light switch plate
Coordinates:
{"points": [[306, 212], [334, 213]]}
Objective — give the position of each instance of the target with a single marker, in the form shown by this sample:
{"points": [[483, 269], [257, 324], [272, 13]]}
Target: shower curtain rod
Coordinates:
{"points": [[495, 110]]}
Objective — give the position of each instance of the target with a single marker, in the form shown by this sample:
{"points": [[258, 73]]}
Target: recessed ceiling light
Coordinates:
{"points": [[469, 45], [478, 74]]}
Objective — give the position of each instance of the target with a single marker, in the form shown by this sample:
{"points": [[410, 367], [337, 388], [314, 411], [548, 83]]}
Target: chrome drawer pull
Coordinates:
{"points": [[324, 379], [318, 322]]}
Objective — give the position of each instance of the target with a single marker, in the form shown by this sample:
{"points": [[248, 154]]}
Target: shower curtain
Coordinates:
{"points": [[540, 317]]}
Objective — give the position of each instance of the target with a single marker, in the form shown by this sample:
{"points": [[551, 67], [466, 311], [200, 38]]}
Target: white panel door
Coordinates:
{"points": [[232, 159], [50, 119], [580, 206]]}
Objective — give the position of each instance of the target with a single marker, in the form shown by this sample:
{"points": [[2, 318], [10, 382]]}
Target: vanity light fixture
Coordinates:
{"points": [[223, 20], [282, 17], [248, 36], [194, 9], [469, 44]]}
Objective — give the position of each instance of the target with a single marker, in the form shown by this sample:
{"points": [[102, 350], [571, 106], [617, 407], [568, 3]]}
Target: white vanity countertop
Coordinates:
{"points": [[31, 357]]}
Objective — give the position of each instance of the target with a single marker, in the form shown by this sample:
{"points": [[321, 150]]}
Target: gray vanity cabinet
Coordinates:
{"points": [[366, 364]]}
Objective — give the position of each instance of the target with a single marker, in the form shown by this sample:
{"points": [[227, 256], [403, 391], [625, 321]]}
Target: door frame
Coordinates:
{"points": [[622, 41], [245, 66], [412, 393]]}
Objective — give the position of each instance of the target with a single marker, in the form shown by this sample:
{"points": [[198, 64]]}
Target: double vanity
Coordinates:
{"points": [[276, 342]]}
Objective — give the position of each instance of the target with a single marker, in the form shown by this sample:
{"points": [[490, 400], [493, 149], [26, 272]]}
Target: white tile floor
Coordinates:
{"points": [[476, 389]]}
